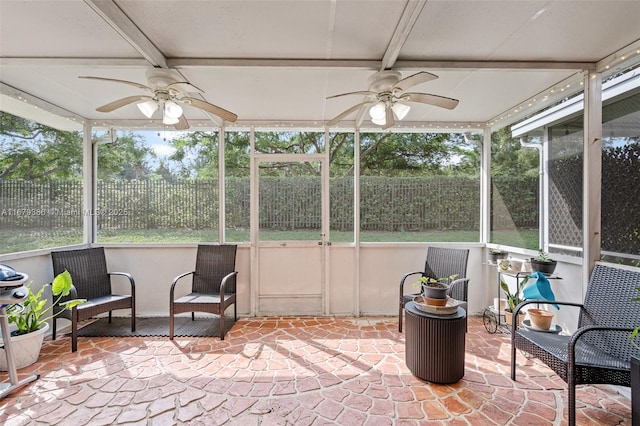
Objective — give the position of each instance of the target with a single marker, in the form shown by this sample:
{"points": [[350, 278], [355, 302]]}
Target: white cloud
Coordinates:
{"points": [[162, 150]]}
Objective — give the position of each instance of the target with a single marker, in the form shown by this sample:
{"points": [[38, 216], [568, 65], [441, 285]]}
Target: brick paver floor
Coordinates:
{"points": [[293, 371]]}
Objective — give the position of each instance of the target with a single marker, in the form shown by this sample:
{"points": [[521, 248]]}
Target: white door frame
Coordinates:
{"points": [[323, 238]]}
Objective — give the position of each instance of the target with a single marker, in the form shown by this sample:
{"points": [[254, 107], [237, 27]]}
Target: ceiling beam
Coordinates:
{"points": [[296, 63], [498, 65], [119, 21], [410, 15], [272, 63], [23, 61]]}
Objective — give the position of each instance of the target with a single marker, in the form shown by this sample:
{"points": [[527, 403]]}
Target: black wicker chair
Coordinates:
{"points": [[213, 286], [440, 262], [600, 350], [91, 281]]}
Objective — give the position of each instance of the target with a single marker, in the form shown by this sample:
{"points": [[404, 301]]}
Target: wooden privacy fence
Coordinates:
{"points": [[387, 204]]}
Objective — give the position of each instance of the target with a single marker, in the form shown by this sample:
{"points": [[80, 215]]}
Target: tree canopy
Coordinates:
{"points": [[34, 151]]}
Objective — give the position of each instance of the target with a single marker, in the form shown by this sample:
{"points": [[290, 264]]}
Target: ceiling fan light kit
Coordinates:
{"points": [[148, 107], [400, 110], [386, 90], [172, 109], [379, 121], [169, 91], [377, 111]]}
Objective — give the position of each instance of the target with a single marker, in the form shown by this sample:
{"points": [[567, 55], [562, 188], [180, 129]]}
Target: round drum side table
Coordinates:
{"points": [[435, 344]]}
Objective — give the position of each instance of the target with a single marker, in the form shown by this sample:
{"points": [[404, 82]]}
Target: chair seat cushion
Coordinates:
{"points": [[104, 300], [587, 355], [202, 298], [99, 305]]}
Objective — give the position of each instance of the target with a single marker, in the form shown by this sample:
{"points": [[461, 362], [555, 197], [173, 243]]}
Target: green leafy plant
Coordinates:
{"points": [[543, 256], [435, 282], [513, 299], [33, 312]]}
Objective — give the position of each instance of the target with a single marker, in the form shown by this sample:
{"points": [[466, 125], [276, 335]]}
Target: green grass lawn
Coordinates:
{"points": [[24, 240]]}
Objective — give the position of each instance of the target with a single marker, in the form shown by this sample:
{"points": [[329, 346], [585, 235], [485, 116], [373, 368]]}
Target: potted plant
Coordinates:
{"points": [[495, 254], [31, 316], [543, 263], [435, 288], [513, 300]]}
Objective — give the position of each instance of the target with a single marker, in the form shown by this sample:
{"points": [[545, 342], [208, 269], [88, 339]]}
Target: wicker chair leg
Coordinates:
{"points": [[133, 322], [400, 318], [74, 334], [171, 326], [171, 314], [222, 326], [513, 360], [109, 317], [235, 312], [53, 332], [193, 316], [571, 383]]}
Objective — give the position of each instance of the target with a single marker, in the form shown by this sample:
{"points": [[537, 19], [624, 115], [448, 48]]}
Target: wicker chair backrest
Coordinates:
{"points": [[444, 262], [213, 263], [608, 302], [88, 269]]}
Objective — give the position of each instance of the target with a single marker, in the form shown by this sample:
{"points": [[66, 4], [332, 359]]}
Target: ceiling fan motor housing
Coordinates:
{"points": [[159, 79], [383, 81]]}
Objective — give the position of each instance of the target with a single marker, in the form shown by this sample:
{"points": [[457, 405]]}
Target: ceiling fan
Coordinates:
{"points": [[387, 97], [168, 92]]}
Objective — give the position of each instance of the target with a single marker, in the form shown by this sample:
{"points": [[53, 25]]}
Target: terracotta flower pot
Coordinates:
{"points": [[509, 318], [540, 318]]}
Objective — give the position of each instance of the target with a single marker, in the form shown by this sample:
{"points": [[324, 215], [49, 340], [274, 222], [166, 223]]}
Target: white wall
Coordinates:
{"points": [[381, 268]]}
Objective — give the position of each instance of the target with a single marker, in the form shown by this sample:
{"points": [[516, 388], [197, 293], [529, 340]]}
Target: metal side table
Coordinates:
{"points": [[435, 344]]}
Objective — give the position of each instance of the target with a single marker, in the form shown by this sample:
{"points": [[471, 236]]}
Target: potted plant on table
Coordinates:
{"points": [[495, 254], [31, 316], [434, 290], [543, 263]]}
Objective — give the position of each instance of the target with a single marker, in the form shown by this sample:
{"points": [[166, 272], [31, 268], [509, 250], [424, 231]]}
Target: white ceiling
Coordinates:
{"points": [[276, 61]]}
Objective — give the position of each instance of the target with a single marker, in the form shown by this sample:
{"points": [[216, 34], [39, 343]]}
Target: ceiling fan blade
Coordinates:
{"points": [[182, 123], [131, 83], [122, 102], [347, 112], [426, 98], [390, 119], [213, 109], [361, 92], [413, 80]]}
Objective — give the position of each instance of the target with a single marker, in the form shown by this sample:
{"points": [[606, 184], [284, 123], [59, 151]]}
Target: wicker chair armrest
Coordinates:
{"points": [[175, 281], [575, 337], [529, 301], [223, 283], [404, 278], [514, 320], [459, 286], [128, 275]]}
